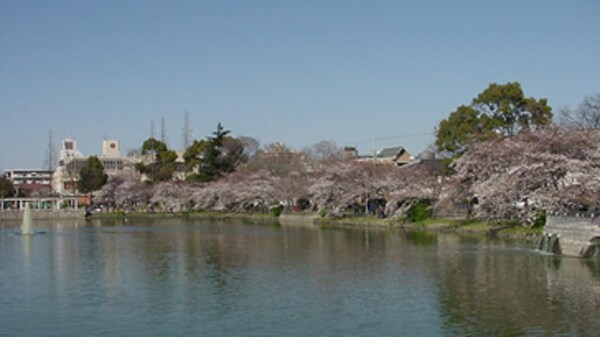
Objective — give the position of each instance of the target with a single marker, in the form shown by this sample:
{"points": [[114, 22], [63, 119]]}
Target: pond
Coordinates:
{"points": [[178, 277]]}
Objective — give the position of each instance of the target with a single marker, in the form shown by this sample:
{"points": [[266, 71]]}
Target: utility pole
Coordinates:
{"points": [[50, 161], [163, 130], [187, 132]]}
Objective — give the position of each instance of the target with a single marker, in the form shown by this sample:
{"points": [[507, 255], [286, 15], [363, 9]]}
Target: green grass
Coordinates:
{"points": [[355, 221], [477, 227], [195, 214]]}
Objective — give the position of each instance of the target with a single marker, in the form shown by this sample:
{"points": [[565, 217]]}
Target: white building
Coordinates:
{"points": [[111, 149], [30, 181], [71, 161], [68, 151]]}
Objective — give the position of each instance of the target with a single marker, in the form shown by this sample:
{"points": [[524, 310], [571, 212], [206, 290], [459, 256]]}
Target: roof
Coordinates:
{"points": [[390, 152], [34, 187], [28, 170], [432, 165]]}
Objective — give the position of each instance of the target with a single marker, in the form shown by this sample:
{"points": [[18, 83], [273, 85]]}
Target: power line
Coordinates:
{"points": [[369, 141]]}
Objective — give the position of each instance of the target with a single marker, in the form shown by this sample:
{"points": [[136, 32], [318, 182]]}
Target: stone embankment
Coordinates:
{"points": [[571, 235], [45, 214]]}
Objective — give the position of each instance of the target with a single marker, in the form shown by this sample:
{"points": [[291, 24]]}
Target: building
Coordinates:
{"points": [[111, 149], [68, 151], [30, 182], [350, 152], [398, 156], [111, 158], [71, 161]]}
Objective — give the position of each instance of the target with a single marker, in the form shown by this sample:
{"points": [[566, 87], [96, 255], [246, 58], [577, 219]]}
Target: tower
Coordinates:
{"points": [[111, 148], [68, 151]]}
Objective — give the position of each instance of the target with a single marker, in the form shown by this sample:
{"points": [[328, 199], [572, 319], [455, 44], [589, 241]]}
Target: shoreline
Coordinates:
{"points": [[439, 225]]}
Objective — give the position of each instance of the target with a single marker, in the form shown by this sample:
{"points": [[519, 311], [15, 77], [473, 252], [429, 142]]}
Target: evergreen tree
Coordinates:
{"points": [[212, 157], [91, 175]]}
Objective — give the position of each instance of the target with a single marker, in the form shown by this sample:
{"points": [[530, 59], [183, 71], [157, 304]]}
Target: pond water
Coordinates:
{"points": [[177, 277]]}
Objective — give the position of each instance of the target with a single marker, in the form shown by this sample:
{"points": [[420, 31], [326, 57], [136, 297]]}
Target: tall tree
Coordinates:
{"points": [[153, 146], [324, 151], [71, 170], [201, 159], [7, 189], [214, 156], [499, 109], [587, 114], [92, 176], [231, 154], [219, 135], [251, 145], [164, 164]]}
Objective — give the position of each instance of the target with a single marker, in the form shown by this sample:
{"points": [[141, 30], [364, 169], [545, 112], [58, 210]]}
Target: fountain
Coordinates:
{"points": [[27, 225]]}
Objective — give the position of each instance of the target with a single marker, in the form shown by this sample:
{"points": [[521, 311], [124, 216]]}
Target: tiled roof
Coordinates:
{"points": [[390, 152]]}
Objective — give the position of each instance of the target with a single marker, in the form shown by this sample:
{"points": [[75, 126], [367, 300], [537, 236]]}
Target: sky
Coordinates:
{"points": [[359, 73]]}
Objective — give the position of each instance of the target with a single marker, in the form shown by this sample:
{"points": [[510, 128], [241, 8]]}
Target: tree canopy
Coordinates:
{"points": [[212, 157], [586, 115], [7, 188], [164, 164], [92, 176], [500, 109], [200, 158], [152, 145]]}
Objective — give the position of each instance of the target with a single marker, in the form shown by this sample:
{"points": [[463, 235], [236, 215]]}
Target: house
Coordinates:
{"points": [[398, 156]]}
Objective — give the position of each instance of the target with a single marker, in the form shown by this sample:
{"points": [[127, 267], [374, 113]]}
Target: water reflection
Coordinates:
{"points": [[491, 289], [177, 277]]}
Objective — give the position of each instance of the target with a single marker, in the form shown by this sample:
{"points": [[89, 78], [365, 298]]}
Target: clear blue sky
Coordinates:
{"points": [[291, 71]]}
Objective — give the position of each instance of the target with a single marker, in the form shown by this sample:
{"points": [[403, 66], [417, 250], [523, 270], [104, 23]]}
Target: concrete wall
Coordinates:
{"points": [[62, 214], [575, 233]]}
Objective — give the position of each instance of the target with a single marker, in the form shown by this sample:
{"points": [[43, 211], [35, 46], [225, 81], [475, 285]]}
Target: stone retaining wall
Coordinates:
{"points": [[575, 234], [62, 214]]}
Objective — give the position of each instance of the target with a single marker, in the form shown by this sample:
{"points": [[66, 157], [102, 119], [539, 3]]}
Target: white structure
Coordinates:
{"points": [[71, 161], [68, 151], [29, 181], [111, 149]]}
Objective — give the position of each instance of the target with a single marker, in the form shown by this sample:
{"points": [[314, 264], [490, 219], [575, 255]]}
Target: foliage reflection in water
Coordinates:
{"points": [[179, 277]]}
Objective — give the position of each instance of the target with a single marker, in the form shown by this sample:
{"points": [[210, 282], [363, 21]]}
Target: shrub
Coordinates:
{"points": [[539, 219], [276, 210], [420, 211]]}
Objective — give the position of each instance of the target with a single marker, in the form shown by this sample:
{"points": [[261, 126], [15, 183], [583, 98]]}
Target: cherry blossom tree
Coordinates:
{"points": [[554, 169]]}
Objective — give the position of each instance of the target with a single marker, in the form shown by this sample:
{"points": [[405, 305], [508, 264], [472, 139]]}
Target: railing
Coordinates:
{"points": [[18, 204]]}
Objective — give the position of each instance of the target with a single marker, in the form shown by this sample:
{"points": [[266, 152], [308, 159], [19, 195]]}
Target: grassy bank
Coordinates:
{"points": [[475, 227], [207, 215], [503, 229]]}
